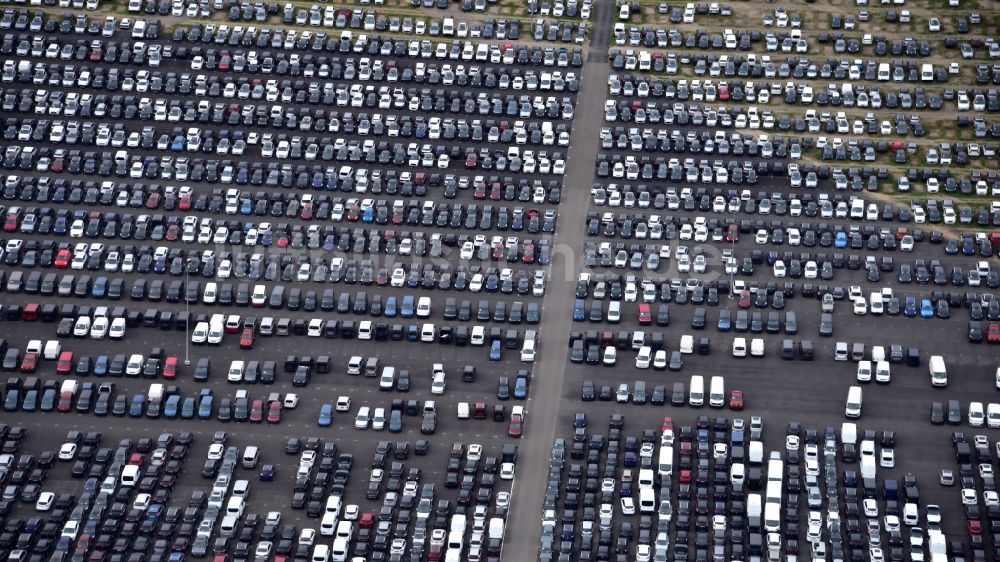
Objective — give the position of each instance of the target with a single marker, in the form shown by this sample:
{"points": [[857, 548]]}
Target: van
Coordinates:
{"points": [[228, 526], [687, 344], [478, 336], [321, 553], [787, 350], [696, 396], [455, 541], [849, 433], [857, 351], [665, 465], [853, 406], [52, 349], [739, 347], [130, 475], [756, 456], [251, 456], [387, 381], [927, 72], [345, 530], [371, 366], [717, 392], [328, 525], [496, 528], [463, 410], [977, 415], [241, 488], [333, 506], [340, 549], [458, 524], [806, 350], [235, 506], [647, 500], [993, 415], [883, 72], [939, 374]]}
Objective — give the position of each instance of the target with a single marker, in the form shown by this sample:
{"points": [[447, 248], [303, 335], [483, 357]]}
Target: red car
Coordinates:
{"points": [[516, 426], [246, 339], [685, 477], [62, 259], [645, 316], [257, 411], [744, 299], [65, 401], [367, 521], [274, 412], [993, 333], [29, 363], [668, 423], [65, 363], [170, 368], [736, 400], [975, 528]]}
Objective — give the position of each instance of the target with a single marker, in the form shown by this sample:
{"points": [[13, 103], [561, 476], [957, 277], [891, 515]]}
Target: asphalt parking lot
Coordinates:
{"points": [[564, 204]]}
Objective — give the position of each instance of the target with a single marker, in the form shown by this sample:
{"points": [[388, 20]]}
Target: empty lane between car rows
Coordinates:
{"points": [[544, 405]]}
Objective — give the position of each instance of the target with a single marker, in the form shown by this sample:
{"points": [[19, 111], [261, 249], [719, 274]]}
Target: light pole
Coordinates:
{"points": [[187, 326]]}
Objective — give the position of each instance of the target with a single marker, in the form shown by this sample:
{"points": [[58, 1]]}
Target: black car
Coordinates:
{"points": [[586, 391]]}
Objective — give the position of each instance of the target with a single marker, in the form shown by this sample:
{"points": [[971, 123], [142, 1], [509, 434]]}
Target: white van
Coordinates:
{"points": [[463, 410], [387, 381], [236, 506], [756, 453], [993, 415], [647, 500], [849, 433], [339, 551], [665, 466], [321, 553], [883, 72], [130, 475], [52, 350], [864, 373], [757, 347], [996, 379], [345, 530], [528, 351], [458, 524], [696, 394], [644, 357], [739, 347], [455, 541], [423, 307], [687, 344], [251, 456], [235, 374], [717, 392], [496, 528], [977, 415], [939, 374], [853, 406], [646, 478], [333, 506], [328, 525], [478, 336]]}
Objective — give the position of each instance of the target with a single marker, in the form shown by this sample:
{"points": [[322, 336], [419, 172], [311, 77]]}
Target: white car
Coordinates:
{"points": [[792, 443], [351, 512], [45, 501], [628, 506], [291, 401], [870, 507], [438, 385], [474, 453], [67, 452], [969, 496], [888, 458], [860, 307], [216, 451], [507, 471], [343, 404]]}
